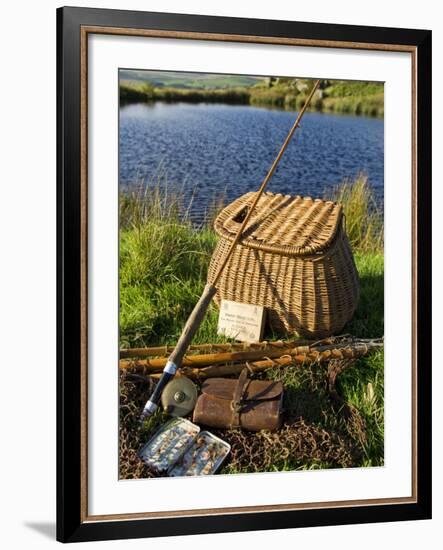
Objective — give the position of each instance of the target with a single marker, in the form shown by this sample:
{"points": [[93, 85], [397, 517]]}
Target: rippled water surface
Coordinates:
{"points": [[212, 149]]}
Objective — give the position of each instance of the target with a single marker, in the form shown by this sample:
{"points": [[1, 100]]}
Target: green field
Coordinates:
{"points": [[163, 265], [337, 96], [164, 79]]}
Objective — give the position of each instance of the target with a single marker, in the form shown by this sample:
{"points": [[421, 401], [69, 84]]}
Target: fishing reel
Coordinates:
{"points": [[179, 396]]}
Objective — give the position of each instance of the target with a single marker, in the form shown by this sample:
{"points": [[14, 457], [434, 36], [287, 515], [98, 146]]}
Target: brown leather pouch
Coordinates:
{"points": [[250, 404]]}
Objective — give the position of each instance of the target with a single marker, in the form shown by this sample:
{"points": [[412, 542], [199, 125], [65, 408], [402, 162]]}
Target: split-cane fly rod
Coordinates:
{"points": [[194, 320]]}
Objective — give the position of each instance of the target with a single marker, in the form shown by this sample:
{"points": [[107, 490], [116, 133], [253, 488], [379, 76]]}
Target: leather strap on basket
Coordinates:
{"points": [[237, 401]]}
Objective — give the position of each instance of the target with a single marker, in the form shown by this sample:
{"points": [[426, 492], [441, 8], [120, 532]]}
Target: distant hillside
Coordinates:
{"points": [[160, 79], [337, 96]]}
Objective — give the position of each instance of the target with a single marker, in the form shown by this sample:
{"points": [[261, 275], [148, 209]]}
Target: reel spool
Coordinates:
{"points": [[179, 396]]}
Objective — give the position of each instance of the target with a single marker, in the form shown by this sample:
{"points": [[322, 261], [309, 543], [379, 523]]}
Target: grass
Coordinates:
{"points": [[146, 92], [356, 98], [363, 220], [163, 266], [372, 106], [172, 79]]}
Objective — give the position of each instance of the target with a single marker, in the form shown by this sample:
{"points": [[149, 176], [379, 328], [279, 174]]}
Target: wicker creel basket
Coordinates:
{"points": [[294, 259]]}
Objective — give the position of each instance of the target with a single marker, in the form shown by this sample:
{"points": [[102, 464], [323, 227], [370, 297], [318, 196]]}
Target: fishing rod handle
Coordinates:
{"points": [[175, 359]]}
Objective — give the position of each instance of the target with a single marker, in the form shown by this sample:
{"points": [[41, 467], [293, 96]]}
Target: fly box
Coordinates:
{"points": [[179, 448], [204, 457], [168, 444]]}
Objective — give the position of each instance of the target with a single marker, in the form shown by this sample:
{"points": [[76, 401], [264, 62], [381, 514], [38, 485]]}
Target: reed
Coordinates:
{"points": [[143, 93], [363, 217]]}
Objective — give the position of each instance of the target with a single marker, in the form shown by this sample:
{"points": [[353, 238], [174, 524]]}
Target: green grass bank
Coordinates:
{"points": [[356, 98]]}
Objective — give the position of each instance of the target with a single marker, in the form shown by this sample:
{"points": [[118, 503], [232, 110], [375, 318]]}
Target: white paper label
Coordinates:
{"points": [[244, 322]]}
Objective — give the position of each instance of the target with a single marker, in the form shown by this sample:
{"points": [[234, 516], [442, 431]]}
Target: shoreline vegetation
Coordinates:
{"points": [[333, 96], [163, 267]]}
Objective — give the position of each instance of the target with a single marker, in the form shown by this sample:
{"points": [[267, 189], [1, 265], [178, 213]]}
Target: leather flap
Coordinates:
{"points": [[257, 390]]}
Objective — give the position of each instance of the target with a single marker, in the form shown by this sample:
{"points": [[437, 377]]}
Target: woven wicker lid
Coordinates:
{"points": [[282, 224]]}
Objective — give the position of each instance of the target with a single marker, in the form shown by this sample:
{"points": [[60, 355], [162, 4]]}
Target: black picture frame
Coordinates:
{"points": [[72, 525]]}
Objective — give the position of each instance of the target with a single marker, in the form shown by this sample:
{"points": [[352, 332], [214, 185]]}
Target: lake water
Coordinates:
{"points": [[214, 149]]}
